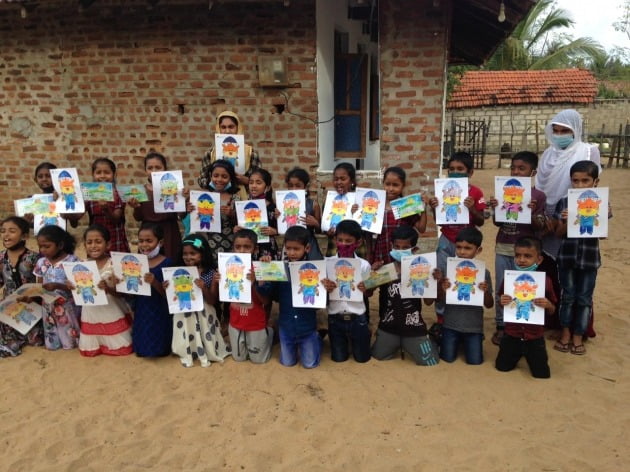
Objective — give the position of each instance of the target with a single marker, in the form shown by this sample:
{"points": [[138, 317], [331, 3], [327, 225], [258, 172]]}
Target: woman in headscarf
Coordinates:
{"points": [[228, 122], [564, 133]]}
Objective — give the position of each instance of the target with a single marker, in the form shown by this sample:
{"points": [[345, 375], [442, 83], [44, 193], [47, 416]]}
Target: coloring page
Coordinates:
{"points": [[231, 147], [371, 209], [67, 185], [270, 271], [451, 194], [465, 276], [306, 284], [50, 217], [407, 206], [252, 214], [588, 213], [336, 209], [85, 277], [207, 213], [130, 270], [382, 276], [346, 273], [167, 192], [137, 191], [35, 205], [20, 316], [513, 195], [292, 206], [98, 191], [182, 293], [523, 287], [234, 285], [416, 276]]}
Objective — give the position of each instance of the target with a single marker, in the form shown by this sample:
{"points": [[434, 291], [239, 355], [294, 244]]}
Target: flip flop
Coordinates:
{"points": [[578, 350], [559, 346]]}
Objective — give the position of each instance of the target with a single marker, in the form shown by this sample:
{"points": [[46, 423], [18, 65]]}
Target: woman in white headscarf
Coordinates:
{"points": [[564, 133]]}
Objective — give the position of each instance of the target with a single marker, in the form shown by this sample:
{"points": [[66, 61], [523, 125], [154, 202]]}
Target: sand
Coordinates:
{"points": [[60, 411]]}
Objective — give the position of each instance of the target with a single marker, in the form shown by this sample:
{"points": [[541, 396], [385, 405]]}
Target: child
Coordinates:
{"points": [[44, 182], [464, 323], [260, 188], [61, 317], [17, 263], [578, 261], [298, 179], [459, 165], [297, 326], [110, 215], [152, 325], [222, 179], [143, 211], [250, 337], [348, 321], [344, 181], [196, 335], [394, 180], [524, 164], [523, 339], [105, 329], [401, 325]]}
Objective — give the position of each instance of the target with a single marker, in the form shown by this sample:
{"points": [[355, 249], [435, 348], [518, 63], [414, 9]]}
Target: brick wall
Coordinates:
{"points": [[412, 54], [527, 122], [118, 80]]}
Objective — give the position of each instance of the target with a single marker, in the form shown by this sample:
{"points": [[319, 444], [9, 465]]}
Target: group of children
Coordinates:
{"points": [[142, 324]]}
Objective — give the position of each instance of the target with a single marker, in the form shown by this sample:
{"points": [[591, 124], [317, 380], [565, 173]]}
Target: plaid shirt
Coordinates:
{"points": [[577, 253], [102, 217], [382, 244]]}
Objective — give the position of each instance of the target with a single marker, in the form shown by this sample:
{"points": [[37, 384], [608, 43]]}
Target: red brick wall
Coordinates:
{"points": [[412, 44], [110, 82]]}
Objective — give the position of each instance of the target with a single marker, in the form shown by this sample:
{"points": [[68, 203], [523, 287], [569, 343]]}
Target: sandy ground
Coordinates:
{"points": [[60, 411]]}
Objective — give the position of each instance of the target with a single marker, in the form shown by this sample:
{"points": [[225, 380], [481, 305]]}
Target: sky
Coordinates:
{"points": [[594, 19]]}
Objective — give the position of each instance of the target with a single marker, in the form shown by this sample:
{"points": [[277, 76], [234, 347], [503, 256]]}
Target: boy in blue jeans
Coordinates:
{"points": [[348, 320], [297, 327], [464, 323], [578, 260]]}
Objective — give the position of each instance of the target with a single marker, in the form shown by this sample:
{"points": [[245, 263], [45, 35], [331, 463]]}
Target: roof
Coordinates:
{"points": [[519, 87], [476, 30]]}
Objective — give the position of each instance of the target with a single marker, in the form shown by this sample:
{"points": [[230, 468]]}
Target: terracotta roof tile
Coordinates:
{"points": [[489, 88]]}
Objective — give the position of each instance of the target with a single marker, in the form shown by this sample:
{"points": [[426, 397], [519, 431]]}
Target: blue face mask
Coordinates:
{"points": [[530, 268], [398, 254], [213, 187], [457, 175], [563, 141]]}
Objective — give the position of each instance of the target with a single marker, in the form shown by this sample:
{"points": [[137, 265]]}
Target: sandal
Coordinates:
{"points": [[562, 347], [578, 350]]}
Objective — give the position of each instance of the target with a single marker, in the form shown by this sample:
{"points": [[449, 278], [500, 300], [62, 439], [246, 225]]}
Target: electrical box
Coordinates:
{"points": [[272, 71]]}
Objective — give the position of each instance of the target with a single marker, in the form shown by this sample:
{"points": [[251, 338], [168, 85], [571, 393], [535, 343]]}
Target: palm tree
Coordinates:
{"points": [[538, 42]]}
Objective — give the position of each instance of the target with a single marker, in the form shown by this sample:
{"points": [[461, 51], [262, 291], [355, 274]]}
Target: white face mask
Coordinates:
{"points": [[154, 252]]}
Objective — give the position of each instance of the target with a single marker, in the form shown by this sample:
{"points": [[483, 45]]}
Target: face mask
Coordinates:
{"points": [[213, 187], [154, 252], [457, 175], [347, 250], [398, 254], [530, 268], [563, 141]]}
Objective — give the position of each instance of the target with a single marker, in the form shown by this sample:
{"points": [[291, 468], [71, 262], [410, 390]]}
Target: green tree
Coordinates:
{"points": [[623, 23], [540, 41]]}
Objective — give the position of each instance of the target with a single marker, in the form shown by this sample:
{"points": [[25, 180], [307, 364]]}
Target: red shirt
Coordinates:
{"points": [[249, 316], [450, 231]]}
